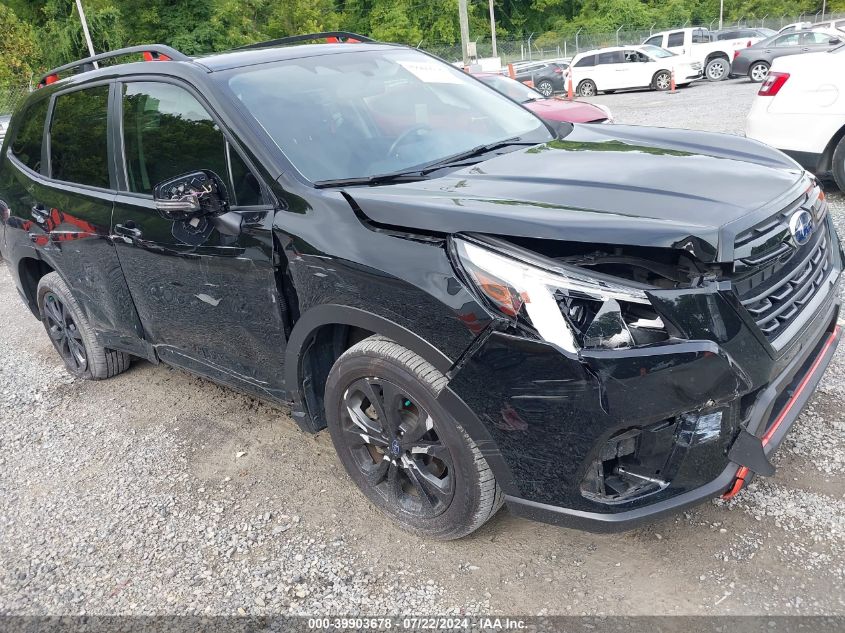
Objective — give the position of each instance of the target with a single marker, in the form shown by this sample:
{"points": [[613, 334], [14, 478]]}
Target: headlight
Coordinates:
{"points": [[566, 305]]}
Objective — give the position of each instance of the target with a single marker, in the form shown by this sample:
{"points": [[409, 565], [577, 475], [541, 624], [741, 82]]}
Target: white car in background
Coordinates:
{"points": [[800, 110], [621, 67], [703, 46]]}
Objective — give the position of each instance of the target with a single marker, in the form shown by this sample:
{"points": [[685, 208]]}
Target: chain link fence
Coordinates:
{"points": [[10, 96], [550, 46]]}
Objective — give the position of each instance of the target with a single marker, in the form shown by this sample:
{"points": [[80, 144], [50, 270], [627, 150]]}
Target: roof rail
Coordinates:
{"points": [[329, 36], [151, 52]]}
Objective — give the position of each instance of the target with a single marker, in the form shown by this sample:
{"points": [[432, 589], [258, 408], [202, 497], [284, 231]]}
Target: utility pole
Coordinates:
{"points": [[463, 16], [824, 6], [85, 29], [493, 28], [721, 12]]}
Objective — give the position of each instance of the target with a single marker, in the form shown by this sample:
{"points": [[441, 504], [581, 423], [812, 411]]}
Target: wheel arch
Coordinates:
{"points": [[716, 55], [30, 271], [320, 336], [657, 72], [324, 332], [826, 160]]}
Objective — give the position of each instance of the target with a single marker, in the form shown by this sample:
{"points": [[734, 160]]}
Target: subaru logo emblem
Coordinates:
{"points": [[801, 226]]}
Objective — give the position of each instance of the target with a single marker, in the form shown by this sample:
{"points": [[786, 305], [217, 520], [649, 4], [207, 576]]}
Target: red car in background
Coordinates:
{"points": [[552, 109]]}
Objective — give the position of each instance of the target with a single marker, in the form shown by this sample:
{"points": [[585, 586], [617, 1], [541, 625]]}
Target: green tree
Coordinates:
{"points": [[17, 48]]}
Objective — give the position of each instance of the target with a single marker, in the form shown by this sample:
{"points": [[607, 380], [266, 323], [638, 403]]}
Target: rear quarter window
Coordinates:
{"points": [[589, 60], [26, 146]]}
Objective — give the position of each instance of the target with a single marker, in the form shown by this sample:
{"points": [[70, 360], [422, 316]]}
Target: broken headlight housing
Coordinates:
{"points": [[567, 306]]}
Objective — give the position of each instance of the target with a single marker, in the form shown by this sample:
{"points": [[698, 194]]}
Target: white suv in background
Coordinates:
{"points": [[621, 67], [800, 110]]}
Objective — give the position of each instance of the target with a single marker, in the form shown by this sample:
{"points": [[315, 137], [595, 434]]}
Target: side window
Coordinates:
{"points": [[814, 37], [589, 60], [699, 36], [167, 132], [27, 144], [245, 184], [676, 39], [788, 40], [78, 137], [614, 57], [657, 40]]}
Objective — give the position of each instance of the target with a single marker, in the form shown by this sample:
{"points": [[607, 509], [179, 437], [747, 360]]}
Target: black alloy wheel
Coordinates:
{"points": [[395, 445], [64, 333], [407, 454]]}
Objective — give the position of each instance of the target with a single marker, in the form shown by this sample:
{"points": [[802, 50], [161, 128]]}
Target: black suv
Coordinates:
{"points": [[591, 324]]}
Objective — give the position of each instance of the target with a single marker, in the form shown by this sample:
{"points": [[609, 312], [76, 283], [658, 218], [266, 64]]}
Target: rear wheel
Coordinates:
{"points": [[545, 88], [410, 459], [758, 72], [587, 88], [662, 80], [72, 335], [717, 69]]}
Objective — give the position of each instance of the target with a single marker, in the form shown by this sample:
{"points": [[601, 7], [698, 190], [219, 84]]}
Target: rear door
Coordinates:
{"points": [[610, 70], [70, 201], [206, 294]]}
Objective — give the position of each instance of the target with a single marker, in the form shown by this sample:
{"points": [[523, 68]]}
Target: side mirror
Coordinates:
{"points": [[191, 195], [834, 40]]}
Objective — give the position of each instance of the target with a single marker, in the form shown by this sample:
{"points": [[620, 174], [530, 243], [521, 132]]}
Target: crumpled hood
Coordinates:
{"points": [[603, 184]]}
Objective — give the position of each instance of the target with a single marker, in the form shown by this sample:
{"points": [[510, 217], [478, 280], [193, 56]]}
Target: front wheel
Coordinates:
{"points": [[758, 72], [413, 461], [72, 335], [717, 69], [663, 80], [545, 88], [587, 88]]}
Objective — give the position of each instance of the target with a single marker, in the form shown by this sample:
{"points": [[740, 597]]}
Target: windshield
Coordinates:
{"points": [[657, 52], [516, 90], [361, 114]]}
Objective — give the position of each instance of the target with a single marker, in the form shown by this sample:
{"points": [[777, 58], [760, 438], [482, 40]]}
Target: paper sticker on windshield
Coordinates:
{"points": [[430, 72]]}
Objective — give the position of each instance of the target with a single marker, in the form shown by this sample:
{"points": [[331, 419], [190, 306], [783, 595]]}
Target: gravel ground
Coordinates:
{"points": [[158, 492]]}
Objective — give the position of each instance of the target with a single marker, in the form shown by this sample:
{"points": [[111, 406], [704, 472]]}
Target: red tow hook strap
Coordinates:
{"points": [[742, 473]]}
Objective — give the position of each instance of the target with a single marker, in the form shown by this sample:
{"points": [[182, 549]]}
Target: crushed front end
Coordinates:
{"points": [[619, 385]]}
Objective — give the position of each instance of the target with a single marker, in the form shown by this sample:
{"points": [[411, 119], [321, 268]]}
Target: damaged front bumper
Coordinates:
{"points": [[605, 439]]}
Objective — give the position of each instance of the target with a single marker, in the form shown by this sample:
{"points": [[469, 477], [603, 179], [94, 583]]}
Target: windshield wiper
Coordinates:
{"points": [[414, 175], [473, 153], [381, 179]]}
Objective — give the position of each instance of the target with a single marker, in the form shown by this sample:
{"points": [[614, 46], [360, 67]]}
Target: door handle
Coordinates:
{"points": [[128, 230], [805, 49], [39, 213]]}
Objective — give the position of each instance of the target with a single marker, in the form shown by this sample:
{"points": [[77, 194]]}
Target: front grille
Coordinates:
{"points": [[775, 305]]}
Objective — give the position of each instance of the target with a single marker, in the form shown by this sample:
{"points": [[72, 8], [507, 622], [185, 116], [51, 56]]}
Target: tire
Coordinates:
{"points": [[587, 88], [662, 80], [72, 335], [758, 71], [545, 88], [443, 492], [717, 69], [838, 164]]}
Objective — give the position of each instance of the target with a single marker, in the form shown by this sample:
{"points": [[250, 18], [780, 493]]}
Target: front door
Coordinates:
{"points": [[205, 289]]}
